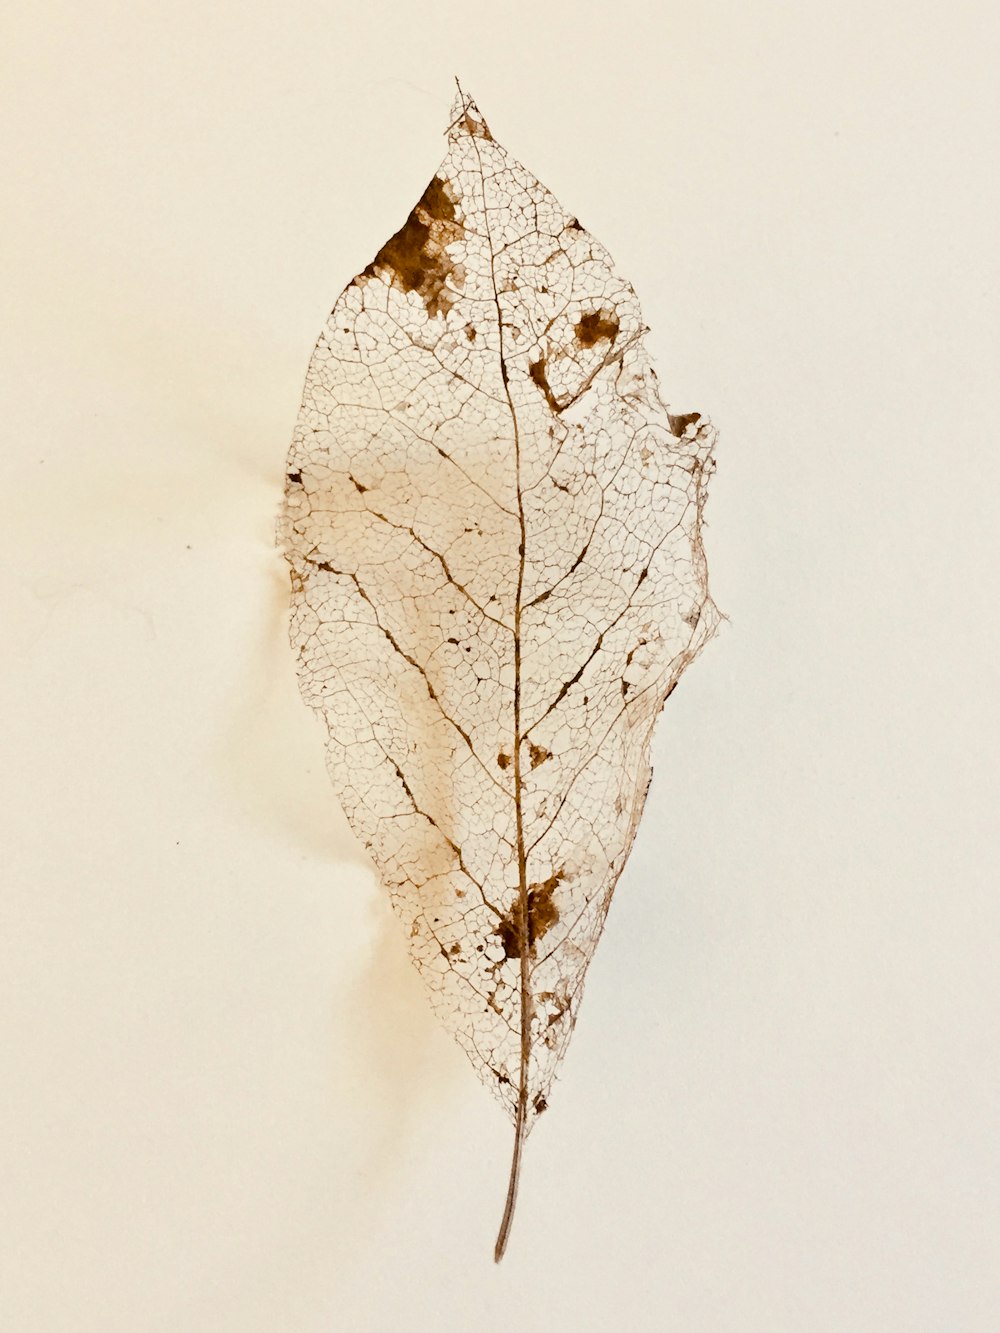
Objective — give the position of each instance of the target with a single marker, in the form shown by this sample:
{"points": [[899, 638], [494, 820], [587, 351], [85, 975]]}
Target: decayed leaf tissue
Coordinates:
{"points": [[493, 525]]}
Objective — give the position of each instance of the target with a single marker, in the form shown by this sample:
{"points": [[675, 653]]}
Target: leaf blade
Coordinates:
{"points": [[494, 530]]}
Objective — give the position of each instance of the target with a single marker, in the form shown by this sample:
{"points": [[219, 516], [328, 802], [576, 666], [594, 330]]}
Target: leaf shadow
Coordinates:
{"points": [[271, 752], [402, 1056], [271, 755]]}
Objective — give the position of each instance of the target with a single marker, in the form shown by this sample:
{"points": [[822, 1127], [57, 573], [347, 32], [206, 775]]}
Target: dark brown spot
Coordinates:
{"points": [[416, 257], [476, 126], [574, 225], [679, 425], [590, 329], [357, 485], [470, 333], [543, 912], [509, 937], [542, 916], [536, 369], [538, 754], [295, 478], [540, 1104], [503, 759]]}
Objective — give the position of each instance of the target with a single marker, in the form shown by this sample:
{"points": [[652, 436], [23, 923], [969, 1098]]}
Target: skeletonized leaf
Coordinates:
{"points": [[493, 527]]}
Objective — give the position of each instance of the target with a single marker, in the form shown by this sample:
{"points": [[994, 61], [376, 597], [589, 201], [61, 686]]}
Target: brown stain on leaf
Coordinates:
{"points": [[536, 369], [542, 916], [416, 258], [477, 127], [679, 425], [503, 759], [538, 754], [591, 328]]}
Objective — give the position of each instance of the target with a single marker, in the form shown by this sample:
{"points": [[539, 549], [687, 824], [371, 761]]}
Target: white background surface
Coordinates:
{"points": [[225, 1108]]}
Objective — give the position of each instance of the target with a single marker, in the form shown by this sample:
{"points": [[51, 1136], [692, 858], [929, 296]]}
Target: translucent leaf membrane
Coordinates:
{"points": [[493, 527]]}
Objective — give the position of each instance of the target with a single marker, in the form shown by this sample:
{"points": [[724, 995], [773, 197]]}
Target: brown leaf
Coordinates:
{"points": [[493, 526]]}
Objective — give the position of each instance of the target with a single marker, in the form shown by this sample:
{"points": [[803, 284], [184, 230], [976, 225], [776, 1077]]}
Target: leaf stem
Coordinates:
{"points": [[515, 1173]]}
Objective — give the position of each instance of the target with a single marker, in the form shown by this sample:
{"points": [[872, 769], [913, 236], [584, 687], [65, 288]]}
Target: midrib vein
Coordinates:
{"points": [[520, 1123]]}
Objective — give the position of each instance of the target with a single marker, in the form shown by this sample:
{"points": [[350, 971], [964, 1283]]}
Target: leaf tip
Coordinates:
{"points": [[466, 118]]}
